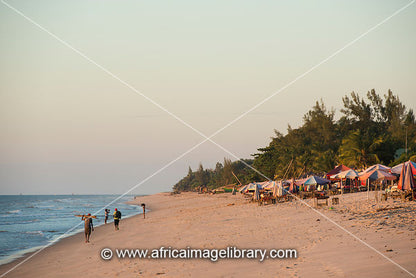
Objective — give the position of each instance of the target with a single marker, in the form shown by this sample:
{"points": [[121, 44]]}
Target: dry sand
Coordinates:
{"points": [[218, 221]]}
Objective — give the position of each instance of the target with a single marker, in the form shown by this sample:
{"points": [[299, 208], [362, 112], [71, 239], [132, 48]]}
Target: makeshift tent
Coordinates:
{"points": [[243, 188], [398, 168], [278, 190], [336, 170], [269, 185], [406, 181], [248, 187]]}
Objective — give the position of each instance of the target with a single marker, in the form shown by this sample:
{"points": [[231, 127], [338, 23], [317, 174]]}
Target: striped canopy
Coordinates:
{"points": [[377, 167], [376, 175], [349, 174], [398, 168], [314, 180]]}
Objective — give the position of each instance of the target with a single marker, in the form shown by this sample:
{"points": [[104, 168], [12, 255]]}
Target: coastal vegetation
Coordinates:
{"points": [[372, 129]]}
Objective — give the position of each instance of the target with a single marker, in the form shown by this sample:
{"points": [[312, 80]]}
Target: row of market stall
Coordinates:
{"points": [[341, 178]]}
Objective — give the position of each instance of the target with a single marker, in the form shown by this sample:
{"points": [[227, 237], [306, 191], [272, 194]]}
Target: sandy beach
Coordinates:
{"points": [[218, 221]]}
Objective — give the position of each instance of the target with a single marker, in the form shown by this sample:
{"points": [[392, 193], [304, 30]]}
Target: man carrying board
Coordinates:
{"points": [[117, 217], [88, 226]]}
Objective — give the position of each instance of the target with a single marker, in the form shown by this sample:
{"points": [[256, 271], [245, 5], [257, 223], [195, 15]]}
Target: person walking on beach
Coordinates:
{"points": [[88, 226], [117, 217], [106, 211]]}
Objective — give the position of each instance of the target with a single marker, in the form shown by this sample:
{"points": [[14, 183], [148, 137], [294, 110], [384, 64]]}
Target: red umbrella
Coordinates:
{"points": [[336, 170]]}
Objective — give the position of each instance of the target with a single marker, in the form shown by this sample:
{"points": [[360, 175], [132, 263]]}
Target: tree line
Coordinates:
{"points": [[372, 129]]}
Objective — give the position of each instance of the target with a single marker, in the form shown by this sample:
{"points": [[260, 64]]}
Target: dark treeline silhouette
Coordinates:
{"points": [[371, 130]]}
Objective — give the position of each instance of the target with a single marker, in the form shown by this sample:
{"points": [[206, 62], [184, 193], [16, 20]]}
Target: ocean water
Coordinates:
{"points": [[28, 222]]}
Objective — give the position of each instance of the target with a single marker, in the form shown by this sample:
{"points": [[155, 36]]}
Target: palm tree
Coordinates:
{"points": [[358, 150]]}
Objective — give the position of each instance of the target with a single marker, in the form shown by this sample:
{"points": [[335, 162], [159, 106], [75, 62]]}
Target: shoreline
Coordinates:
{"points": [[217, 221], [21, 255]]}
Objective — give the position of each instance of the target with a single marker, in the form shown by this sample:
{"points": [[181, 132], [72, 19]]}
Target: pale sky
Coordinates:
{"points": [[68, 127]]}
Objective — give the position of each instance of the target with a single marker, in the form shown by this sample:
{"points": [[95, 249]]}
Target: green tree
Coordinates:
{"points": [[358, 150]]}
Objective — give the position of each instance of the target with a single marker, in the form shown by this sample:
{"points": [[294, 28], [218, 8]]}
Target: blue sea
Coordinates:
{"points": [[29, 222]]}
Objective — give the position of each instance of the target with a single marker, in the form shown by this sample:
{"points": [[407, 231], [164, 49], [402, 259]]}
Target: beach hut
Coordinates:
{"points": [[406, 181], [398, 168]]}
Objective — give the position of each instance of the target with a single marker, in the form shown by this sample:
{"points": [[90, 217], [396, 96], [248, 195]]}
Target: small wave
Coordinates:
{"points": [[35, 233], [43, 207], [13, 211], [52, 231]]}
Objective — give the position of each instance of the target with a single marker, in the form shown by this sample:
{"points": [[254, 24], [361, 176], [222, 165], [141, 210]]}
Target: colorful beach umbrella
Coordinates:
{"points": [[398, 168], [336, 170], [376, 175], [406, 181], [315, 180], [377, 167], [349, 174]]}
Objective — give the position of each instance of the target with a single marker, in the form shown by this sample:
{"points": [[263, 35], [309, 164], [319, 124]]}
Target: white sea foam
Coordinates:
{"points": [[35, 233]]}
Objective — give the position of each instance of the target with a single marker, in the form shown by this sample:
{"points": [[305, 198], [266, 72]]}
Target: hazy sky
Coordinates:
{"points": [[68, 127]]}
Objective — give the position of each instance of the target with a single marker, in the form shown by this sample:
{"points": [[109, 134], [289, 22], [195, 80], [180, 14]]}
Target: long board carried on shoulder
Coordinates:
{"points": [[86, 216]]}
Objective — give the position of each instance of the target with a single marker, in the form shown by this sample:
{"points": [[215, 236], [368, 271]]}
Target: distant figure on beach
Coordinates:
{"points": [[88, 227], [144, 210], [106, 211], [117, 217]]}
